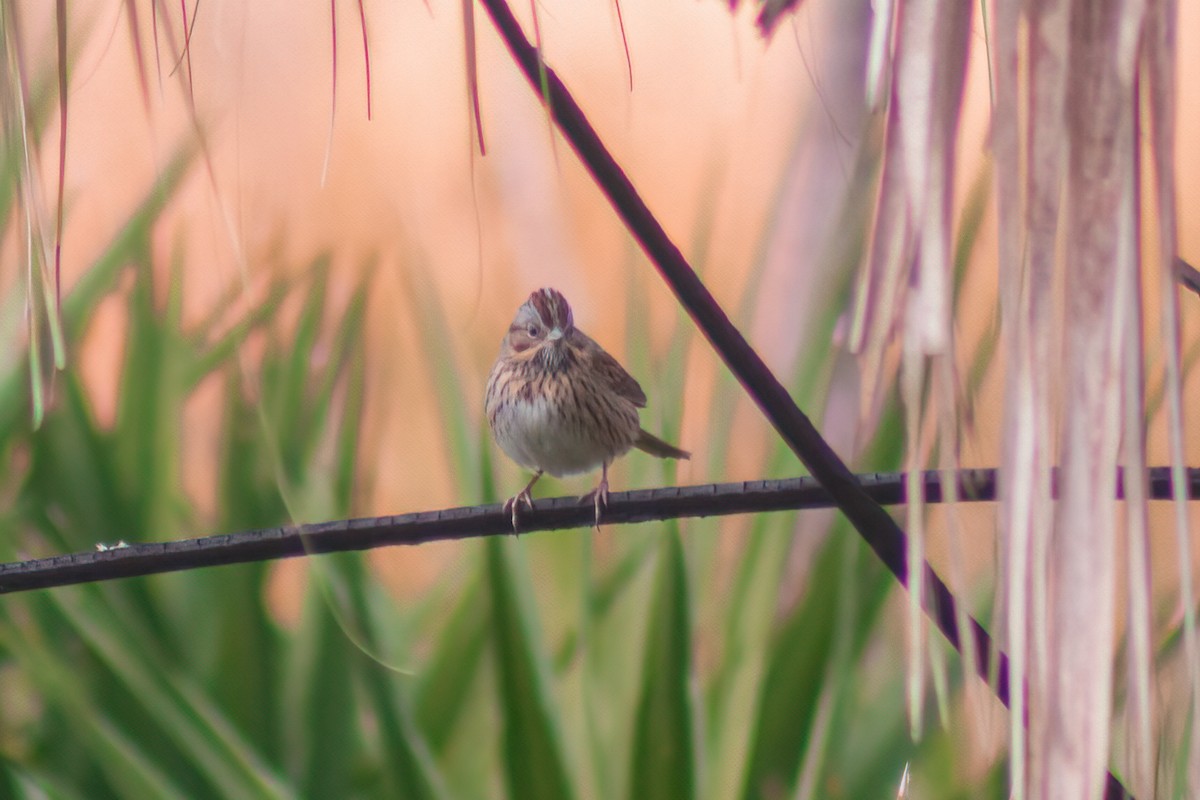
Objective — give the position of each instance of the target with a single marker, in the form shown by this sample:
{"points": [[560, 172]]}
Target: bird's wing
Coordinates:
{"points": [[615, 375]]}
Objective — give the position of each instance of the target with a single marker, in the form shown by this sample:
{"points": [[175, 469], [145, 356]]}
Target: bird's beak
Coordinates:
{"points": [[554, 335]]}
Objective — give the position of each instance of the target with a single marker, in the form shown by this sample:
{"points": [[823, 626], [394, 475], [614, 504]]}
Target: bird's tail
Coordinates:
{"points": [[657, 447]]}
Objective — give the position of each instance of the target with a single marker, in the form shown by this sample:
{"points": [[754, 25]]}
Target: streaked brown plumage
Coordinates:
{"points": [[558, 403]]}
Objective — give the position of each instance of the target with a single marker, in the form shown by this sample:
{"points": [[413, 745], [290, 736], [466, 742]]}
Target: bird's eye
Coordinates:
{"points": [[533, 330]]}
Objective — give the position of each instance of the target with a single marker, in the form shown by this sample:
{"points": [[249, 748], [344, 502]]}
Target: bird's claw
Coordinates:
{"points": [[512, 504], [599, 497]]}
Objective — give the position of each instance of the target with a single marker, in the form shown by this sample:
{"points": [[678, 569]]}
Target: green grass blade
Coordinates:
{"points": [[217, 354], [664, 746], [122, 759], [128, 245], [320, 699], [747, 620], [455, 665], [132, 774], [72, 452], [407, 764], [434, 328], [347, 483], [534, 761], [181, 711], [238, 648], [96, 282], [23, 784], [146, 439], [293, 411], [799, 661]]}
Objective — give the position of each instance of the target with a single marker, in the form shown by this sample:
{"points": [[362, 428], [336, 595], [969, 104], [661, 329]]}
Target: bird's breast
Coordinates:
{"points": [[551, 428]]}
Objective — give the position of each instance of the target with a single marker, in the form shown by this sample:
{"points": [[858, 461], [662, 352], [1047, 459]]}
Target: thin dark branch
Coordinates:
{"points": [[1188, 275], [119, 560]]}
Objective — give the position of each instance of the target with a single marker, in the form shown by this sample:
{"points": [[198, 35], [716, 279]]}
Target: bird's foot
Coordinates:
{"points": [[513, 504], [599, 498]]}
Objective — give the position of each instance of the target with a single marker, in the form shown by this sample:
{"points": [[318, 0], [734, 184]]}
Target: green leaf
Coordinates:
{"points": [[819, 632], [347, 483], [746, 612], [435, 330], [147, 435], [454, 667], [236, 646], [664, 746], [408, 767], [407, 761], [170, 700], [119, 752], [535, 764], [212, 356], [295, 405], [130, 242], [322, 729]]}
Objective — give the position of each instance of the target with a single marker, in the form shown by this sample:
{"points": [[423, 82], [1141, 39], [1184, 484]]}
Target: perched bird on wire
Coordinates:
{"points": [[558, 403]]}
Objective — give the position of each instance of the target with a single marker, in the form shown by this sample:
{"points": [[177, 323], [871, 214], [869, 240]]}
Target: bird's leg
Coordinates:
{"points": [[599, 495], [523, 496]]}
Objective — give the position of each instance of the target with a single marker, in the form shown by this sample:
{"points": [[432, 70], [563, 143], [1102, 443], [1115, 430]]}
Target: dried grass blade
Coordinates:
{"points": [[1159, 47], [187, 51], [931, 55], [931, 65], [624, 43], [945, 379], [60, 28], [157, 53], [136, 39], [912, 380], [29, 209], [468, 14], [362, 21], [332, 91], [772, 11], [227, 218], [1039, 340], [879, 52], [1082, 559], [1139, 671], [882, 291], [543, 79]]}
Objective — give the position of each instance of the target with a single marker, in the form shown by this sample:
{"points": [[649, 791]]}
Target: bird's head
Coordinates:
{"points": [[542, 328]]}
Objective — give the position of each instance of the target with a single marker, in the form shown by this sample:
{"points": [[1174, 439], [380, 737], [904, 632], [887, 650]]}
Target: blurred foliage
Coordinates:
{"points": [[692, 660], [624, 676]]}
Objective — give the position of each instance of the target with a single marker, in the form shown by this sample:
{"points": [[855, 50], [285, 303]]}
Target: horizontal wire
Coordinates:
{"points": [[126, 560]]}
